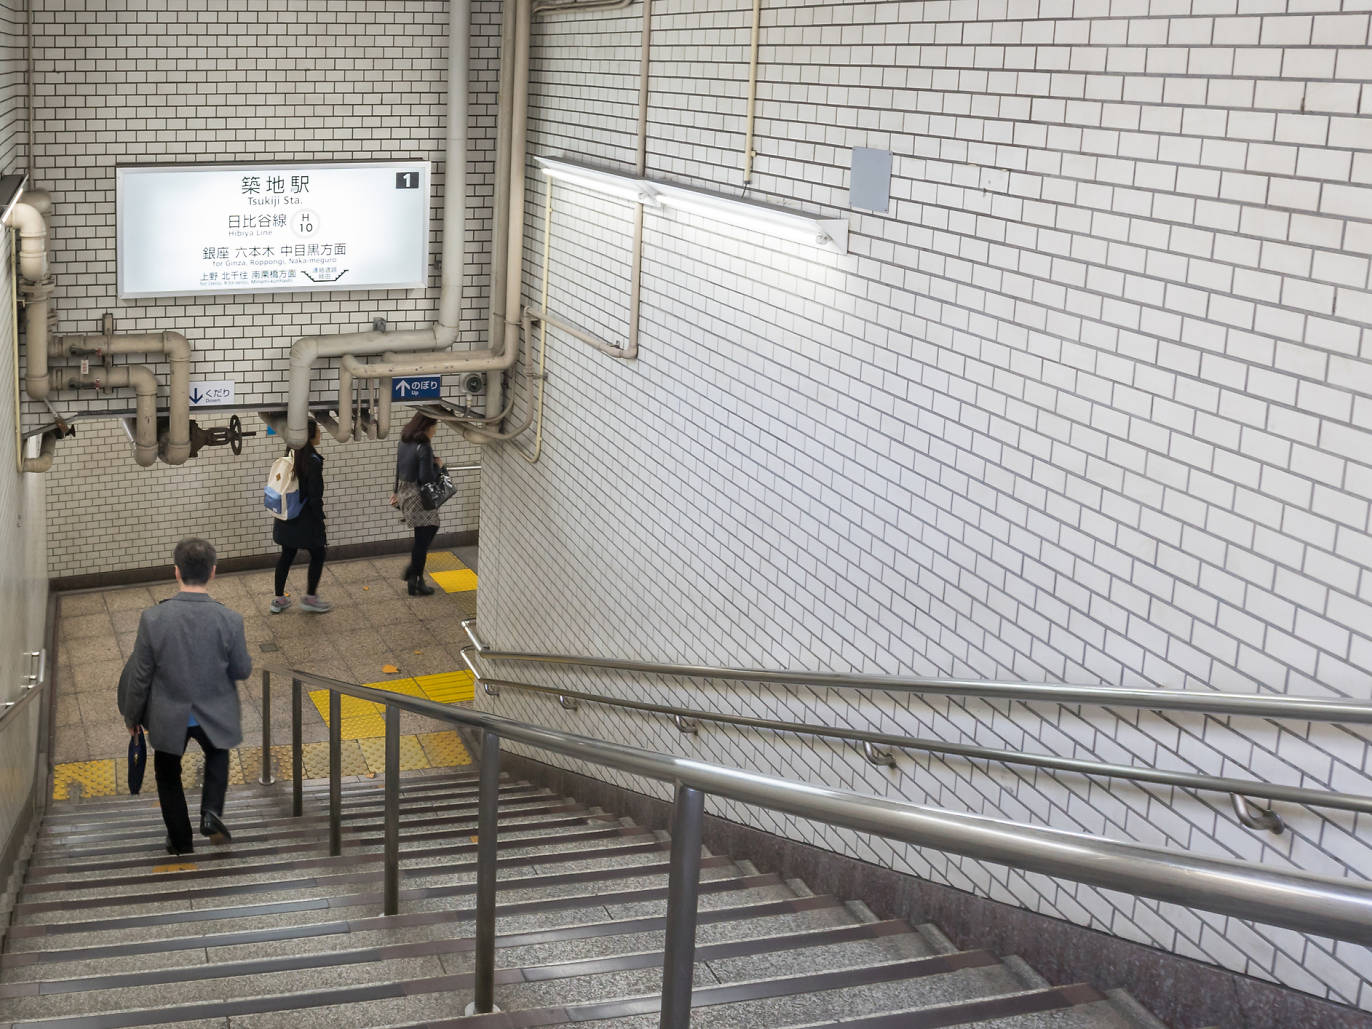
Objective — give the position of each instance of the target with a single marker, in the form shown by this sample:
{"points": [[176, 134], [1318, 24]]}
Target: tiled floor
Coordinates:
{"points": [[374, 627]]}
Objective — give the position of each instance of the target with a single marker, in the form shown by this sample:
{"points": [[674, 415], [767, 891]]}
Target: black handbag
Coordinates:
{"points": [[433, 495], [138, 760]]}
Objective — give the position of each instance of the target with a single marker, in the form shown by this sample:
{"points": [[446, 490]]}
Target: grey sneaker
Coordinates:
{"points": [[315, 604], [279, 604]]}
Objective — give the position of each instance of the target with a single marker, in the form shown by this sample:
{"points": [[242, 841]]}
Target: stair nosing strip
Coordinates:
{"points": [[236, 937], [318, 881], [756, 990], [456, 945], [343, 901], [975, 1009]]}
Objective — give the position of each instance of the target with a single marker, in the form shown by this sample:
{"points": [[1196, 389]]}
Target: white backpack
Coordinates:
{"points": [[281, 495]]}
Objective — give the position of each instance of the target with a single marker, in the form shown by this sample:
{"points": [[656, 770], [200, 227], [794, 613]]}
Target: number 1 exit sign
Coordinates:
{"points": [[416, 387]]}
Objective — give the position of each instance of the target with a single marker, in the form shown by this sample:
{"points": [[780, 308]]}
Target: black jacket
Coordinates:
{"points": [[414, 462], [306, 530]]}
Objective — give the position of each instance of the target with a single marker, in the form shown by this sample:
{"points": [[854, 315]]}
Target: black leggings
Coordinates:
{"points": [[423, 537], [283, 566]]}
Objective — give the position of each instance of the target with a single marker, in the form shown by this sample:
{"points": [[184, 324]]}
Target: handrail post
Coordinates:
{"points": [[266, 779], [390, 891], [489, 797], [683, 892], [335, 773], [297, 749]]}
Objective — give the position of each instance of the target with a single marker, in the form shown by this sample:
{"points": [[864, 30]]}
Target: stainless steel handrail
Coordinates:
{"points": [[1305, 709], [1240, 788], [1307, 903], [13, 707]]}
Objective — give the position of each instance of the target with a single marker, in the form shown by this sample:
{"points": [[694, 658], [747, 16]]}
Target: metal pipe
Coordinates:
{"points": [[752, 93], [1339, 909], [1310, 709], [390, 890], [266, 778], [144, 383], [335, 774], [455, 170], [487, 827], [177, 350], [687, 721], [46, 450], [1252, 817], [297, 749], [683, 895], [500, 202], [519, 142]]}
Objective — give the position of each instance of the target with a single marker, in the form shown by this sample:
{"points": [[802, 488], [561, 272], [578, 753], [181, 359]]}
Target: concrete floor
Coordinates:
{"points": [[374, 623]]}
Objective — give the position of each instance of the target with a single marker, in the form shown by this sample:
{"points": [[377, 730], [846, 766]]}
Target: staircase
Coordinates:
{"points": [[269, 931]]}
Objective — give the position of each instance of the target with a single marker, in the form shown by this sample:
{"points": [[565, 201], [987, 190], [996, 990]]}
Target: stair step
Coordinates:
{"points": [[1051, 1007], [309, 826], [152, 854], [571, 827], [573, 941], [279, 914], [403, 961], [64, 813], [619, 851], [512, 916]]}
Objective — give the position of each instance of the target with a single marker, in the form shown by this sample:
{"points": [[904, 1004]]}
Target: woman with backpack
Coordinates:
{"points": [[305, 531], [415, 464]]}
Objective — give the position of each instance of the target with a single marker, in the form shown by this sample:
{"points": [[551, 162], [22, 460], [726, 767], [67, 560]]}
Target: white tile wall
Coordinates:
{"points": [[1090, 403], [93, 505], [233, 80], [23, 583]]}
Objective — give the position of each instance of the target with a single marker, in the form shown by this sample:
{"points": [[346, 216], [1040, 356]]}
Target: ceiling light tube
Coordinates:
{"points": [[598, 180], [831, 233]]}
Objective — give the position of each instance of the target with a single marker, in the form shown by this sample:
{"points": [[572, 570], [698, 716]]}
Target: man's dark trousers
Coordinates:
{"points": [[172, 796]]}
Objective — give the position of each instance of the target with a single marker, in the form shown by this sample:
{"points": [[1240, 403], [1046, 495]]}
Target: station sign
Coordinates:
{"points": [[212, 394], [184, 230], [416, 387]]}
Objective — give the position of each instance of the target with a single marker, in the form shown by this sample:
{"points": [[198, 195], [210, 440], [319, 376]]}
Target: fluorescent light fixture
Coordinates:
{"points": [[598, 180], [831, 233], [11, 189]]}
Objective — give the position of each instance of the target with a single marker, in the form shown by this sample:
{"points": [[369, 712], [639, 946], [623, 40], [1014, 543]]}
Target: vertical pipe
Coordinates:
{"points": [[752, 94], [335, 774], [266, 777], [514, 253], [683, 890], [499, 200], [484, 1000], [297, 751], [455, 170], [391, 889]]}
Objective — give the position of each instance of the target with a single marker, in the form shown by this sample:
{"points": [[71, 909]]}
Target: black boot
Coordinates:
{"points": [[420, 588]]}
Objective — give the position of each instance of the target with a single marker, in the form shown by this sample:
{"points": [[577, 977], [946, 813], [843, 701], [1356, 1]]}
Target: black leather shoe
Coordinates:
{"points": [[211, 826], [420, 588], [177, 853]]}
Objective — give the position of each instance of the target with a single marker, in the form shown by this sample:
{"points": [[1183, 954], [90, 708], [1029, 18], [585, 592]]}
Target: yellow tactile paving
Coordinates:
{"points": [[459, 580], [97, 779], [412, 754], [444, 749], [442, 561], [447, 687]]}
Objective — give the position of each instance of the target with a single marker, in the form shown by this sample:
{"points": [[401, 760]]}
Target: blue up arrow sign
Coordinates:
{"points": [[416, 387]]}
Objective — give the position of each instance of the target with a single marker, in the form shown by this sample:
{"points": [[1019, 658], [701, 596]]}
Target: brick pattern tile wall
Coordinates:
{"points": [[207, 81], [1088, 403], [219, 496]]}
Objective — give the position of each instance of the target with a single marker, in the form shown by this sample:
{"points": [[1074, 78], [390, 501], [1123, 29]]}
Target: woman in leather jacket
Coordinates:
{"points": [[415, 463]]}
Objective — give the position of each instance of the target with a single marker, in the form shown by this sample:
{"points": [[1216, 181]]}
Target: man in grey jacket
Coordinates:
{"points": [[181, 684]]}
